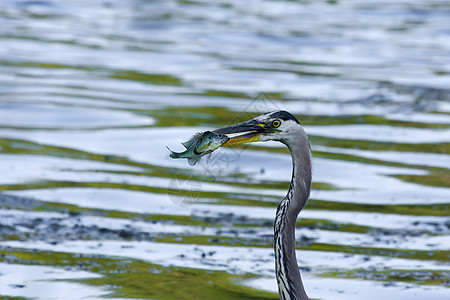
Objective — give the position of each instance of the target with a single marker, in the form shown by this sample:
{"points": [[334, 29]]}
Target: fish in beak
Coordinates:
{"points": [[245, 132]]}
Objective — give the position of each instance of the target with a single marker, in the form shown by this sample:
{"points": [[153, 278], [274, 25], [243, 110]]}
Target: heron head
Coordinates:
{"points": [[273, 126]]}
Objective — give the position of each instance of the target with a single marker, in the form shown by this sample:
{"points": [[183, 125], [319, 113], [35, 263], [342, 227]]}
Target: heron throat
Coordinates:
{"points": [[290, 285]]}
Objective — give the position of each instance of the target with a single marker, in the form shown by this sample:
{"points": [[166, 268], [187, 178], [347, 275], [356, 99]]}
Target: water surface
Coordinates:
{"points": [[91, 94]]}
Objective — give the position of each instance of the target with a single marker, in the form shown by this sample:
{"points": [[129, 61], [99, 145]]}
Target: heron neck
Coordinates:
{"points": [[300, 186], [288, 275]]}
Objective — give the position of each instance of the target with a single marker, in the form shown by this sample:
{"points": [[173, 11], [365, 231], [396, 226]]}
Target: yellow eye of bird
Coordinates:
{"points": [[276, 123]]}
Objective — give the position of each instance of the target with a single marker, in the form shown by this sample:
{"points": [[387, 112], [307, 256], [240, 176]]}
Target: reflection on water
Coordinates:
{"points": [[92, 93]]}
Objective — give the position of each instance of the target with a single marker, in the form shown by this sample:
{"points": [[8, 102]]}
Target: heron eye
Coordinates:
{"points": [[276, 123], [220, 135]]}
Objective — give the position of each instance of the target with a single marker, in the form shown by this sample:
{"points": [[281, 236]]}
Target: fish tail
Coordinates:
{"points": [[173, 154]]}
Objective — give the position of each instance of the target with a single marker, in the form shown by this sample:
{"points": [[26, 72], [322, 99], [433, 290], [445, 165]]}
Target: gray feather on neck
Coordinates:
{"points": [[288, 275]]}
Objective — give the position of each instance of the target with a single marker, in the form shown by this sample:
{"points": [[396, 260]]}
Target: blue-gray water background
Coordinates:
{"points": [[92, 92]]}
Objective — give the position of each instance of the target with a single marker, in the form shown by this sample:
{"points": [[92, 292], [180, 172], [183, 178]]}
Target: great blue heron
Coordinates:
{"points": [[283, 127]]}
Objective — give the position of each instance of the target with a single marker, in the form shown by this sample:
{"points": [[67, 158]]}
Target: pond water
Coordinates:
{"points": [[92, 92]]}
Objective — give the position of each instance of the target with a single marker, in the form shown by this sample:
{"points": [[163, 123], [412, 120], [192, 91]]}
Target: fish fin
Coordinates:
{"points": [[193, 160], [187, 144], [173, 154], [193, 139]]}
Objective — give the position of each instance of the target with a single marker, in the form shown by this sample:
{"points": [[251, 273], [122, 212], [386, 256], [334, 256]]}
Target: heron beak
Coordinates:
{"points": [[245, 132]]}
